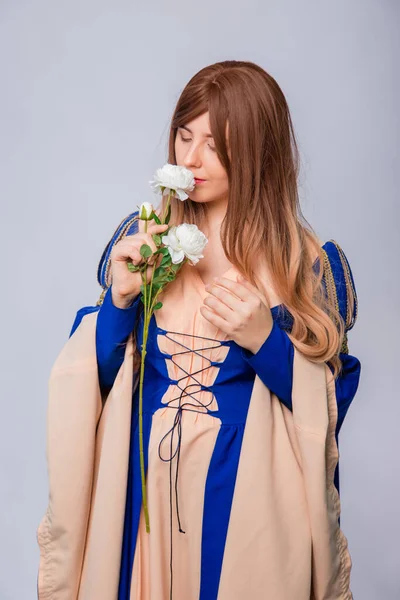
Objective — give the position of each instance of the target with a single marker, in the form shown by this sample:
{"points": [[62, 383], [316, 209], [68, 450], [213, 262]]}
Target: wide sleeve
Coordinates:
{"points": [[273, 362], [113, 327], [85, 310]]}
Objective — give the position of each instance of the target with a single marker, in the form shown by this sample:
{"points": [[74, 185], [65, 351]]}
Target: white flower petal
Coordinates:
{"points": [[174, 177], [194, 257], [176, 255], [185, 240], [181, 195]]}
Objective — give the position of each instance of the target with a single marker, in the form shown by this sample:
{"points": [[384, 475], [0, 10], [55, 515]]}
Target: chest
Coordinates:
{"points": [[213, 266]]}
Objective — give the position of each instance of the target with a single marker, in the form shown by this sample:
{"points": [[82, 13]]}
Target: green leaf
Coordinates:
{"points": [[145, 251], [158, 305], [165, 251], [165, 261], [156, 280], [133, 268], [159, 271], [157, 239], [154, 216], [160, 280]]}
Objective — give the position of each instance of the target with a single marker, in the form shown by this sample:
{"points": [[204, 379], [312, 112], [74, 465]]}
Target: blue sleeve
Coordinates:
{"points": [[112, 330], [346, 385], [113, 324], [344, 280], [348, 380], [273, 363]]}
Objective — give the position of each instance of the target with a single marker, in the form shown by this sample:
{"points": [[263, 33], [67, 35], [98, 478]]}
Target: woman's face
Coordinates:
{"points": [[195, 150]]}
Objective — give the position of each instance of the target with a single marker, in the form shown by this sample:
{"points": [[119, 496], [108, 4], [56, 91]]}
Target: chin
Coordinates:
{"points": [[197, 195], [200, 200]]}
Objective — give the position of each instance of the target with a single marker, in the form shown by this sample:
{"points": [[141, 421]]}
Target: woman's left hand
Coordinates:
{"points": [[236, 309]]}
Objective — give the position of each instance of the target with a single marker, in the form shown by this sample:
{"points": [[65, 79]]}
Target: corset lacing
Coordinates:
{"points": [[189, 406]]}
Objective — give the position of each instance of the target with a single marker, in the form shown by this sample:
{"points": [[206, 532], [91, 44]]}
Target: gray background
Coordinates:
{"points": [[88, 89]]}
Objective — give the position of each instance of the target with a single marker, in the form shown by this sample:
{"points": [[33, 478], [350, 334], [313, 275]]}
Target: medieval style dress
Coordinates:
{"points": [[196, 395]]}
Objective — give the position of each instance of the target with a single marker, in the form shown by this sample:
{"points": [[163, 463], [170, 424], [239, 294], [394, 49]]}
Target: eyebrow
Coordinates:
{"points": [[207, 135]]}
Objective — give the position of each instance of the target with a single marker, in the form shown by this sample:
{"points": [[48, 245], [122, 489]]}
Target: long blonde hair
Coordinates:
{"points": [[262, 168]]}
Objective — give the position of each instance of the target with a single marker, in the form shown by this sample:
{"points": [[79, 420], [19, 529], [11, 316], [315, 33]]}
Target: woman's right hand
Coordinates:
{"points": [[126, 285]]}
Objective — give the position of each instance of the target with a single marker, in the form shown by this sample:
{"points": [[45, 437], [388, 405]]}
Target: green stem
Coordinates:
{"points": [[166, 208], [148, 310], [141, 452], [147, 316]]}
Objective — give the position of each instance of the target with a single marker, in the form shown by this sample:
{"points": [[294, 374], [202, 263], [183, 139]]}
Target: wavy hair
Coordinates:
{"points": [[262, 165]]}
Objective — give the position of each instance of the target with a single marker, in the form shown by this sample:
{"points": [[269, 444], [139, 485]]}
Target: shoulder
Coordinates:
{"points": [[339, 281], [128, 226]]}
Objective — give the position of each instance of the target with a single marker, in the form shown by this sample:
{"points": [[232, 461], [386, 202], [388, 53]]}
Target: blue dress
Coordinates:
{"points": [[273, 363]]}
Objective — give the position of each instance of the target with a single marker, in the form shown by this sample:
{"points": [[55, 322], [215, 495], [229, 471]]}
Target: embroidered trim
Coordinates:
{"points": [[351, 296], [332, 458], [127, 226]]}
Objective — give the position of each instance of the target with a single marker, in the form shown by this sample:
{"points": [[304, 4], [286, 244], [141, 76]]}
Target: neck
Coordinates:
{"points": [[215, 213]]}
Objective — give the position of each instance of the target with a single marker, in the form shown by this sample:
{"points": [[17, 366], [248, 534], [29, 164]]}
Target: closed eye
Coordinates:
{"points": [[188, 140]]}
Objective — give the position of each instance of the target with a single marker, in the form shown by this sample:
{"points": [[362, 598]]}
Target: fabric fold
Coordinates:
{"points": [[293, 527]]}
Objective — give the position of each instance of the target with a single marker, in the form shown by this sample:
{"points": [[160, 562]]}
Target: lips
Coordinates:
{"points": [[198, 180]]}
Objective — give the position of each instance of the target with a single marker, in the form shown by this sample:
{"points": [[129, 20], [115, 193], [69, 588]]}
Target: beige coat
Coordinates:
{"points": [[80, 535]]}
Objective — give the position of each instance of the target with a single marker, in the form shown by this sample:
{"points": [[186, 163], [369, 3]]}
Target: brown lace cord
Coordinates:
{"points": [[195, 406]]}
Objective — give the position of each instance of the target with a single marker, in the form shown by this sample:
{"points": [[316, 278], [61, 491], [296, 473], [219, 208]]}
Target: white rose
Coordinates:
{"points": [[185, 241], [175, 179], [145, 210]]}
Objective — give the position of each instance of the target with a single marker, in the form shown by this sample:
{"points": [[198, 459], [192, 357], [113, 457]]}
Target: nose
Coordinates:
{"points": [[192, 157]]}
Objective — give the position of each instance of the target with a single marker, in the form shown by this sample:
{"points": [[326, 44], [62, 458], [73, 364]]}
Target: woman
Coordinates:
{"points": [[247, 382]]}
